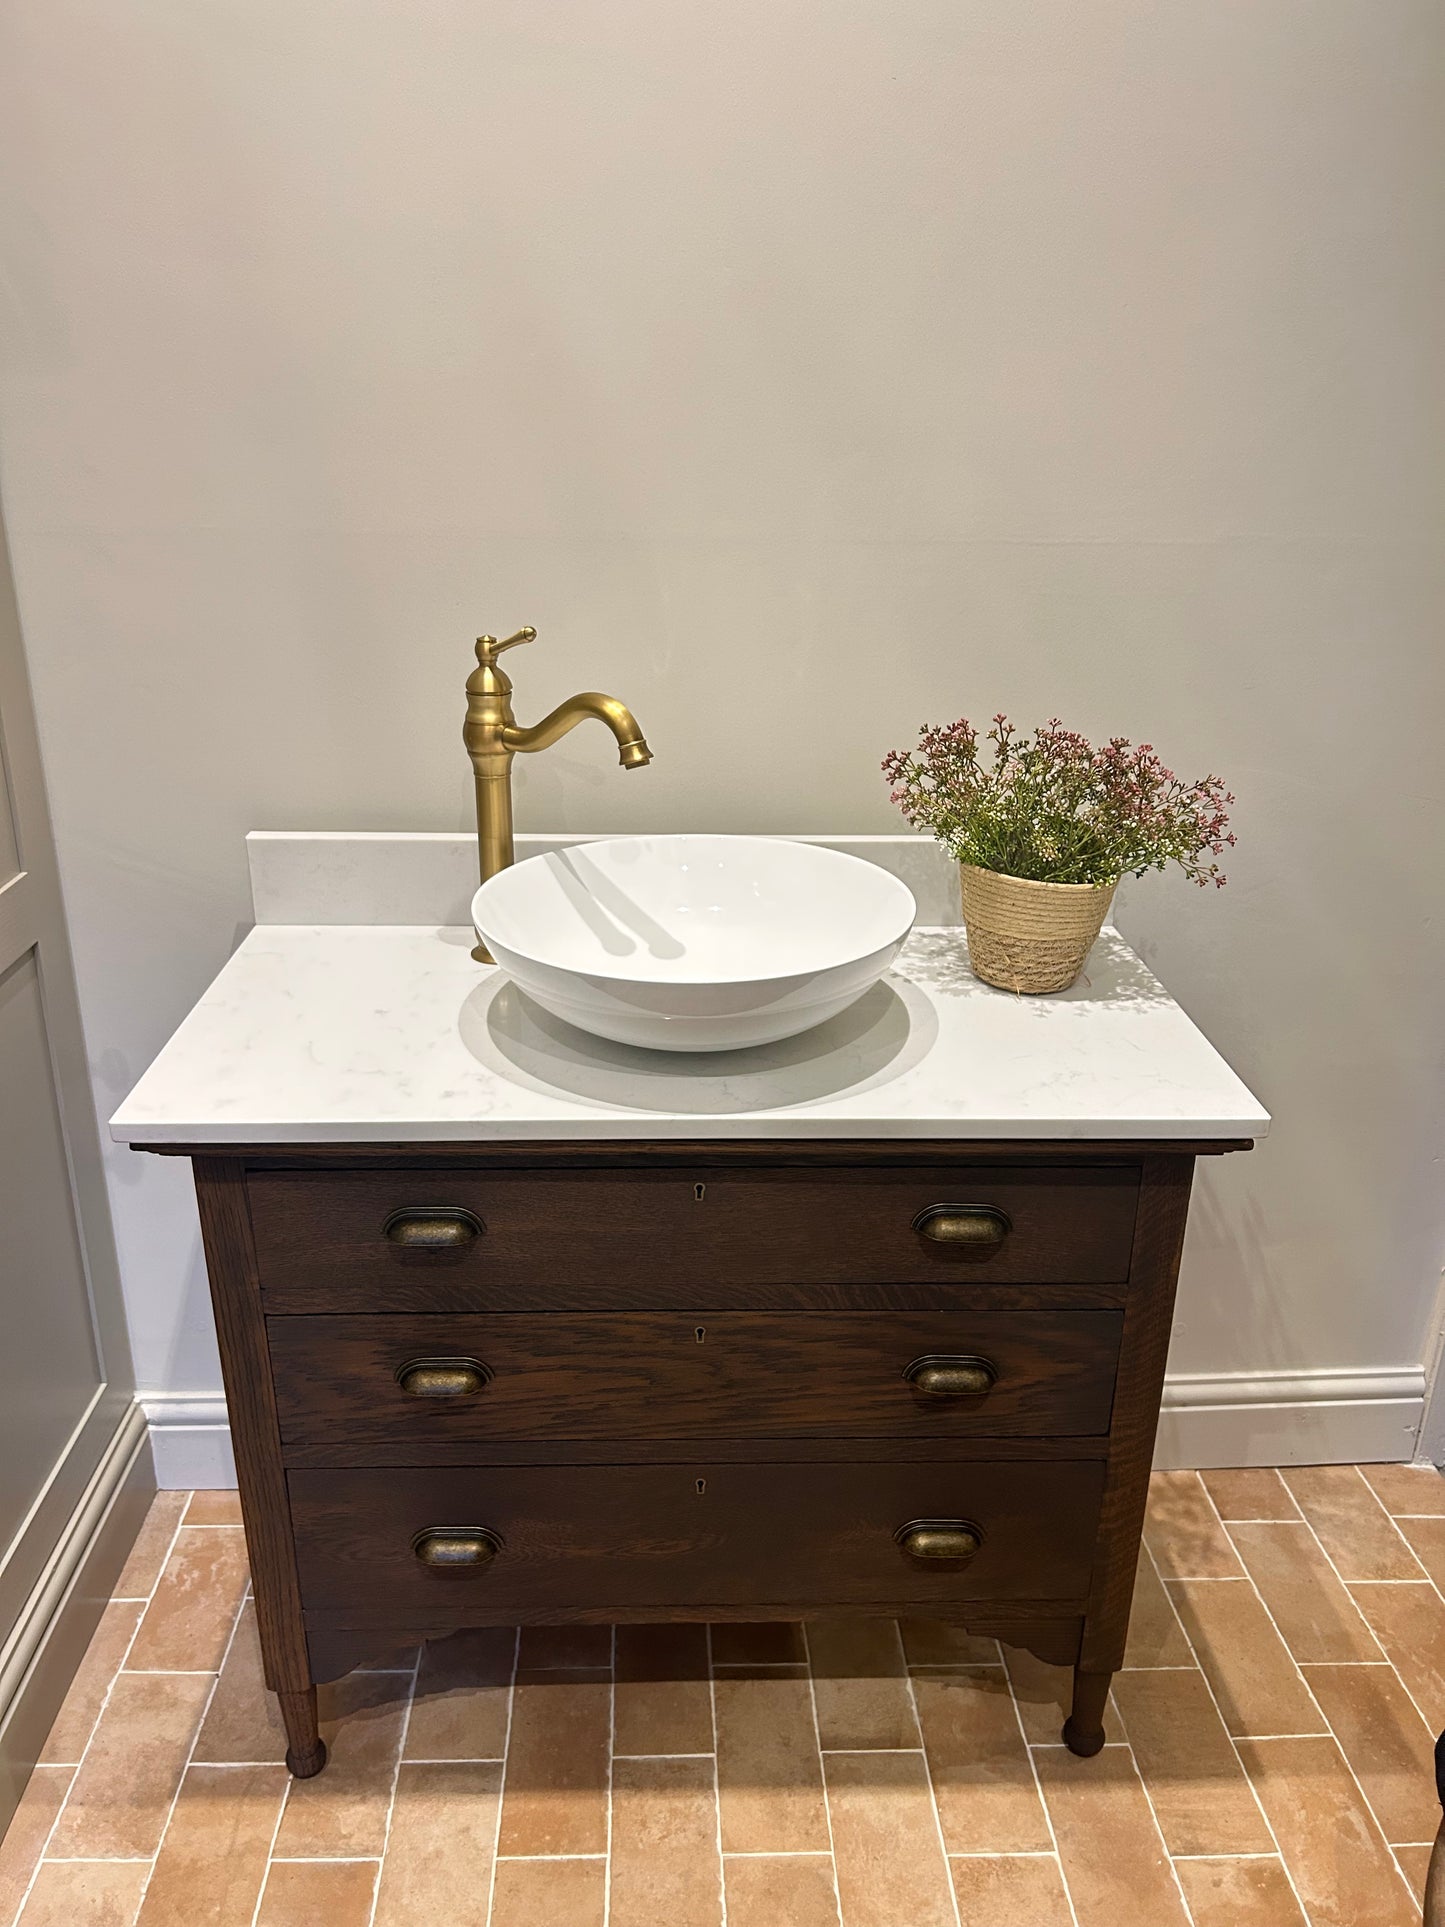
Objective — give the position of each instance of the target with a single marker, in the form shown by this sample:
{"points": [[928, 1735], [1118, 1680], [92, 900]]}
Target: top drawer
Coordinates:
{"points": [[581, 1240]]}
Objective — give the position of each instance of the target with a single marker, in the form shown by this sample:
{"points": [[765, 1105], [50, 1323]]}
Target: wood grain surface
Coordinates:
{"points": [[635, 1375], [572, 1240]]}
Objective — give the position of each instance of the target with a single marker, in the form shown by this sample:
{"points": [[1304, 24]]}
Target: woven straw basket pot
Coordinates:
{"points": [[1030, 937]]}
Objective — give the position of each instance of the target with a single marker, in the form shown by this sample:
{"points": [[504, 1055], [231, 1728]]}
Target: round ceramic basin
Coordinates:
{"points": [[694, 942]]}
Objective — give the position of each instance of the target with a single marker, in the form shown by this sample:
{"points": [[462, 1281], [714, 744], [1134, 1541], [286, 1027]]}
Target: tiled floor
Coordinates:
{"points": [[1270, 1735]]}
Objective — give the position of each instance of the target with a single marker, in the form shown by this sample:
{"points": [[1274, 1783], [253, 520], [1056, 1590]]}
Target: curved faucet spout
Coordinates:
{"points": [[493, 736], [632, 748]]}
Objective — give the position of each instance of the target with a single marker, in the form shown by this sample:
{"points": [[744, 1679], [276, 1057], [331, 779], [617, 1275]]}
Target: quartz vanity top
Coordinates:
{"points": [[379, 1033]]}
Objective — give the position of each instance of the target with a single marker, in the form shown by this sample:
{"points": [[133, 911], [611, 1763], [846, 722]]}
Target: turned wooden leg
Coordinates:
{"points": [[1084, 1728], [306, 1753]]}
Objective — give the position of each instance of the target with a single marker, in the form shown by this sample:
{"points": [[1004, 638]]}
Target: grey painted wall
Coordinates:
{"points": [[803, 370]]}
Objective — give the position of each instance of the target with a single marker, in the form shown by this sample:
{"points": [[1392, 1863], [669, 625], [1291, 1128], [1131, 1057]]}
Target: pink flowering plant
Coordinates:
{"points": [[1053, 809]]}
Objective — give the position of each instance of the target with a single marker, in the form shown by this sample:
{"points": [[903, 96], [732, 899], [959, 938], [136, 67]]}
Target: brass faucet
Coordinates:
{"points": [[493, 737]]}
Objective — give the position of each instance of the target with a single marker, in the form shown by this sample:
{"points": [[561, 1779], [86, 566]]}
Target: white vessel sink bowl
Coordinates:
{"points": [[694, 942]]}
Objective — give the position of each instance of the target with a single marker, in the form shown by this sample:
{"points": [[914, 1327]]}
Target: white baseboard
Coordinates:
{"points": [[1234, 1418], [191, 1440], [1320, 1417]]}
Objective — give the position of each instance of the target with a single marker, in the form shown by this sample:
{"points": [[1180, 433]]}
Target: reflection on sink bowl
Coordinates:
{"points": [[694, 942]]}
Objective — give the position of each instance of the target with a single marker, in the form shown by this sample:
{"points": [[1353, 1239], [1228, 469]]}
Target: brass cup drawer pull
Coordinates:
{"points": [[442, 1227], [951, 1540], [442, 1377], [952, 1377], [456, 1548], [975, 1227]]}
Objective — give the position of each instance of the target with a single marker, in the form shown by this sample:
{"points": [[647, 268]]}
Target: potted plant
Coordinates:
{"points": [[1044, 828]]}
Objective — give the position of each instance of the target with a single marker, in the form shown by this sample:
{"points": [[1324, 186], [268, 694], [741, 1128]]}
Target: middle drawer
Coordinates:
{"points": [[377, 1388]]}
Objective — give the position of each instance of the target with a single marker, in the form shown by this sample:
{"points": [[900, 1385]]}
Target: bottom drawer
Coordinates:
{"points": [[570, 1537]]}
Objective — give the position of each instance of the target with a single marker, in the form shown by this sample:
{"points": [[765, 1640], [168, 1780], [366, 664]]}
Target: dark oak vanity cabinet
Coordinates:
{"points": [[477, 1384]]}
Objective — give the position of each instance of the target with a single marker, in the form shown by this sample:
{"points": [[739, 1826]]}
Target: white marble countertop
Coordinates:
{"points": [[332, 1033]]}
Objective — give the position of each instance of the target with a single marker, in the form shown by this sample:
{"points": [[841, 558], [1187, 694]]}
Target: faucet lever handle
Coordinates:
{"points": [[488, 648]]}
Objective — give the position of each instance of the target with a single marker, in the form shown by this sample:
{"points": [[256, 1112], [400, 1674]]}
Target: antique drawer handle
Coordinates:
{"points": [[456, 1548], [437, 1227], [983, 1227], [952, 1539], [952, 1377], [442, 1377]]}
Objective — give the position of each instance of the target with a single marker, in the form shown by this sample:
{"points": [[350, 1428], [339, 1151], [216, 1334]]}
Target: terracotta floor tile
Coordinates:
{"points": [[1388, 1745], [1114, 1860], [545, 1647], [25, 1836], [188, 1623], [463, 1690], [860, 1683], [1408, 1489], [1239, 1893], [550, 1893], [242, 1723], [987, 1799], [147, 1556], [1250, 1492], [1257, 1684], [1426, 1538], [1155, 1636], [933, 1642], [663, 1699], [767, 1643], [555, 1797], [777, 1869], [1044, 1694], [1201, 1798], [784, 1891], [86, 1893], [995, 1891], [438, 1862], [318, 1893], [341, 1813], [1354, 1528], [1316, 1617], [769, 1775], [214, 1509], [212, 1862], [123, 1791], [891, 1869], [560, 1679], [1414, 1863], [665, 1863], [1182, 1532], [81, 1707], [1409, 1622], [1335, 1853]]}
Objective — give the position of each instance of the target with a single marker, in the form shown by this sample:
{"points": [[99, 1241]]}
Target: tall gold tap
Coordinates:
{"points": [[493, 737]]}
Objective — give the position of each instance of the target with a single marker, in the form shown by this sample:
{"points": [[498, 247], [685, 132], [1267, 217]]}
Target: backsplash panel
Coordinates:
{"points": [[410, 877]]}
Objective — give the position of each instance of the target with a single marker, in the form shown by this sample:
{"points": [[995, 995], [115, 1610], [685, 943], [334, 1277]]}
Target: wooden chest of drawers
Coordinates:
{"points": [[475, 1385]]}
